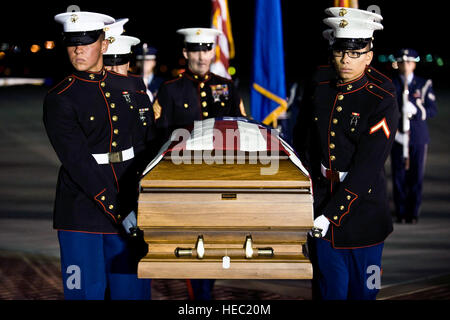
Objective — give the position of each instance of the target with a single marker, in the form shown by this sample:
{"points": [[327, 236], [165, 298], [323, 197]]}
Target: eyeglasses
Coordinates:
{"points": [[351, 54]]}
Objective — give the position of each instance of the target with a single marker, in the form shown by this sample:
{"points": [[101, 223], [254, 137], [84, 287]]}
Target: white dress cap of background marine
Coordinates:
{"points": [[115, 29], [122, 45], [119, 48], [197, 39]]}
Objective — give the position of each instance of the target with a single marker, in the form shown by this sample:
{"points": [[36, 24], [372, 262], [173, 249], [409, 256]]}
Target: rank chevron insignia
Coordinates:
{"points": [[381, 125]]}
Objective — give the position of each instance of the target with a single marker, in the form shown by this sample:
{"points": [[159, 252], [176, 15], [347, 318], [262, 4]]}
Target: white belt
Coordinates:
{"points": [[327, 173], [113, 157]]}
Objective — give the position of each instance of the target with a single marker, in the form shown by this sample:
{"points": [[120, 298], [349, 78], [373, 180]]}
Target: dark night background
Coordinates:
{"points": [[416, 258], [406, 24]]}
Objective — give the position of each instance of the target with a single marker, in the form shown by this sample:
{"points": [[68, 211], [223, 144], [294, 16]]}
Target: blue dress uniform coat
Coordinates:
{"points": [[345, 132], [93, 113], [407, 184], [146, 119], [146, 115], [191, 97]]}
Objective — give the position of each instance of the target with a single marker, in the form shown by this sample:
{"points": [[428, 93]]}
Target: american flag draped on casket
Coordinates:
{"points": [[239, 135], [225, 199]]}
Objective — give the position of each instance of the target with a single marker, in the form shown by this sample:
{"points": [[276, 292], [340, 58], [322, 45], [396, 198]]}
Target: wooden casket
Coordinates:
{"points": [[227, 199]]}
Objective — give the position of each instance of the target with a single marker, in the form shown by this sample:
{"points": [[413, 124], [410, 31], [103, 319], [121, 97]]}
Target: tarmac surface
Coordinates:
{"points": [[416, 258]]}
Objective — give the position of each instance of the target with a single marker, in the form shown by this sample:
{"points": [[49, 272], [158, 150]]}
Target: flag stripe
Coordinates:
{"points": [[240, 135], [250, 138], [201, 136], [225, 44]]}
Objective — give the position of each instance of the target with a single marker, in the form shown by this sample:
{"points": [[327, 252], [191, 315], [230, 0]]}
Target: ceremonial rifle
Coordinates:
{"points": [[405, 123]]}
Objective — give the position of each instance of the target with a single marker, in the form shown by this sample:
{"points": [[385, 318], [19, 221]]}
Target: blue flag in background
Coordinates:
{"points": [[268, 91]]}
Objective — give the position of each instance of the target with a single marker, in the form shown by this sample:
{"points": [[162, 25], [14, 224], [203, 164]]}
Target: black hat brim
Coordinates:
{"points": [[350, 43], [190, 46], [81, 38], [116, 59]]}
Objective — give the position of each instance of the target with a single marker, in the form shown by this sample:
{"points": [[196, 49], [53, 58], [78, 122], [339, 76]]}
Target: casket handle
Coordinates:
{"points": [[199, 250], [267, 252], [200, 247], [248, 246], [183, 252], [187, 252]]}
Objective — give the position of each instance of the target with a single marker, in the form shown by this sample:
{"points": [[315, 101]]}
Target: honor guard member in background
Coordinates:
{"points": [[117, 59], [197, 93], [146, 63], [96, 137], [344, 134], [417, 104]]}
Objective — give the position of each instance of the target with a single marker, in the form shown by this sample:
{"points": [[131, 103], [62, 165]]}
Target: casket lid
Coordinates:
{"points": [[230, 151]]}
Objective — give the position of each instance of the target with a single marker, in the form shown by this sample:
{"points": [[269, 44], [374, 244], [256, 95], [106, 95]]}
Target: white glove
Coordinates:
{"points": [[322, 223], [409, 108], [129, 222], [399, 137]]}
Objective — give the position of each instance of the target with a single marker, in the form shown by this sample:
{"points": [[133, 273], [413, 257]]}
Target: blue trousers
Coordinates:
{"points": [[407, 184], [353, 274], [202, 288], [100, 266]]}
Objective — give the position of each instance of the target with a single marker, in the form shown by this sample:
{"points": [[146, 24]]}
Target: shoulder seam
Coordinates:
{"points": [[58, 84], [382, 74], [383, 90], [71, 83], [172, 80], [374, 85], [373, 78], [367, 86], [85, 80]]}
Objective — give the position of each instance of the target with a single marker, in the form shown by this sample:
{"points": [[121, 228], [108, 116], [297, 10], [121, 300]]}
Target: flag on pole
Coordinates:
{"points": [[225, 45], [268, 92]]}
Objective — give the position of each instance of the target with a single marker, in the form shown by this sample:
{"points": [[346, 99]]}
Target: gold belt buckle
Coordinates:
{"points": [[114, 157], [333, 175]]}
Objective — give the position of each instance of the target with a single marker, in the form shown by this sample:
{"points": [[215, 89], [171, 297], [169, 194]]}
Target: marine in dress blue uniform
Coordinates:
{"points": [[343, 136], [193, 96], [117, 59], [407, 181], [197, 94], [97, 138]]}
